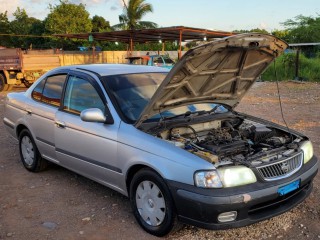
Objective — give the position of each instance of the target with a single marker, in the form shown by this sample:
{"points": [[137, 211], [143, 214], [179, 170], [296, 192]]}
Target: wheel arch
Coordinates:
{"points": [[19, 129], [133, 170]]}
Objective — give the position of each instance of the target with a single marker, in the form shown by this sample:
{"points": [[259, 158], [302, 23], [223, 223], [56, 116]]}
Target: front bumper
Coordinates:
{"points": [[253, 203]]}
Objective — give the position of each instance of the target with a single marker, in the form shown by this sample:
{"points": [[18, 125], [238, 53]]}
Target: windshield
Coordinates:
{"points": [[168, 60], [132, 92]]}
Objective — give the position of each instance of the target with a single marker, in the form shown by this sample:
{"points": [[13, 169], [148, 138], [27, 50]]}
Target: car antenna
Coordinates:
{"points": [[279, 97]]}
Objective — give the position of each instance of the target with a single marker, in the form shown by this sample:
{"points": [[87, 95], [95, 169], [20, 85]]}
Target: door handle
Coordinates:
{"points": [[60, 124], [29, 111]]}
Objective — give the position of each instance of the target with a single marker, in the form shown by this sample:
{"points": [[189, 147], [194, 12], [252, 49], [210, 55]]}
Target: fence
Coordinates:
{"points": [[69, 58]]}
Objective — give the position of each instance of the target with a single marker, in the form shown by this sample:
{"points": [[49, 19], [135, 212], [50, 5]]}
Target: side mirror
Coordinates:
{"points": [[96, 115]]}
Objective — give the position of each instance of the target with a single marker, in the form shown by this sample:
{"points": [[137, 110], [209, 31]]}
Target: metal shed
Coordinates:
{"points": [[176, 33]]}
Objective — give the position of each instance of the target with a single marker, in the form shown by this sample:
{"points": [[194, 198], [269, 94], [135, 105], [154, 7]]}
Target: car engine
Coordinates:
{"points": [[233, 141]]}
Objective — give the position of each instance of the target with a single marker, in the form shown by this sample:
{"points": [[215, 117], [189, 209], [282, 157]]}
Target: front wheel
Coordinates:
{"points": [[27, 83], [29, 153], [152, 203]]}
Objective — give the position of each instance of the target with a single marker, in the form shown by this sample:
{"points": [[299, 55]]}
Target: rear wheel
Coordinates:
{"points": [[9, 87], [152, 203], [3, 84], [29, 153]]}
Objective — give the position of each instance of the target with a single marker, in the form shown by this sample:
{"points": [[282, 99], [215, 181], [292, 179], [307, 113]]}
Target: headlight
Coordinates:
{"points": [[236, 176], [307, 151], [207, 179]]}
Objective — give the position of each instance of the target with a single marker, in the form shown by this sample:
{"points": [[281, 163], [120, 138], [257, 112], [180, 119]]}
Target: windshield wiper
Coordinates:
{"points": [[192, 114], [186, 114]]}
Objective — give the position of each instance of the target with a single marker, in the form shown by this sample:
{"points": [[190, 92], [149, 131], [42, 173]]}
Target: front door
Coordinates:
{"points": [[89, 148]]}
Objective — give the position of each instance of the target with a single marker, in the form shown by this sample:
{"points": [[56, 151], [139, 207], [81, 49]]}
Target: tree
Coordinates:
{"points": [[255, 30], [282, 34], [99, 24], [132, 15], [303, 29], [67, 18], [4, 28], [25, 25]]}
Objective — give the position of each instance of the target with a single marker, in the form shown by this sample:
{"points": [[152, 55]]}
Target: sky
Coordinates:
{"points": [[226, 15]]}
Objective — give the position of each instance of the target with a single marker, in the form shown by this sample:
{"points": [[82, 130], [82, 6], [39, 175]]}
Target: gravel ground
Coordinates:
{"points": [[59, 204]]}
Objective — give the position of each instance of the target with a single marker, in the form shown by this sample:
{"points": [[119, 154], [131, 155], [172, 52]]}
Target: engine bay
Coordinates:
{"points": [[233, 141]]}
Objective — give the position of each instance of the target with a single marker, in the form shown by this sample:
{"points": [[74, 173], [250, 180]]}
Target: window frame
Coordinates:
{"points": [[85, 77], [45, 82]]}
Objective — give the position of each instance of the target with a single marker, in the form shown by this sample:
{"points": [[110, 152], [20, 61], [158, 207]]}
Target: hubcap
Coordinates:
{"points": [[150, 203], [27, 150]]}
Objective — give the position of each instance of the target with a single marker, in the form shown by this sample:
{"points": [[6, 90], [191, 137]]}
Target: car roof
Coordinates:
{"points": [[115, 69]]}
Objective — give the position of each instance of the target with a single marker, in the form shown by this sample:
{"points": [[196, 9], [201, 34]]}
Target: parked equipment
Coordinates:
{"points": [[19, 66]]}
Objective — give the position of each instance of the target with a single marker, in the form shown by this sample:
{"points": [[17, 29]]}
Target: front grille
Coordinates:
{"points": [[281, 169]]}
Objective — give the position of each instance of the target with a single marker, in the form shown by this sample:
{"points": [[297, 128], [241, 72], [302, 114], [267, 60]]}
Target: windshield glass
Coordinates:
{"points": [[168, 60], [132, 92]]}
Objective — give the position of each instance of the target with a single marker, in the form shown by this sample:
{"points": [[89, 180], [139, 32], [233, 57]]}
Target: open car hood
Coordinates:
{"points": [[221, 71]]}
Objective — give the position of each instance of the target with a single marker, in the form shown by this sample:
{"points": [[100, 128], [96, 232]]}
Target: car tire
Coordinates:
{"points": [[9, 87], [3, 85], [152, 203], [29, 153]]}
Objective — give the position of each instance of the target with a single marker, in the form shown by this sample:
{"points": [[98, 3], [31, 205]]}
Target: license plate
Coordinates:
{"points": [[289, 188]]}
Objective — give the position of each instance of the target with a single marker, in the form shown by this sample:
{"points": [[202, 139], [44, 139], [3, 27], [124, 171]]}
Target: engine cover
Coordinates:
{"points": [[227, 149]]}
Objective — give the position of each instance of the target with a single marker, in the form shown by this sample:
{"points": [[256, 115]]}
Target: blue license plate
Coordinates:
{"points": [[289, 188]]}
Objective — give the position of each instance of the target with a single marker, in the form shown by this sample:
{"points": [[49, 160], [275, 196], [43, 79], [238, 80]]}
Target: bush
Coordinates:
{"points": [[309, 68]]}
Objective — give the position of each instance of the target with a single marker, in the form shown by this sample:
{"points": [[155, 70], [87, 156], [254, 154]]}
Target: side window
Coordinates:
{"points": [[158, 61], [81, 95], [37, 91], [50, 90]]}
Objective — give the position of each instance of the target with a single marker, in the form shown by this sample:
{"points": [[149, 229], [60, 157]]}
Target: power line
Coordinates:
{"points": [[23, 35]]}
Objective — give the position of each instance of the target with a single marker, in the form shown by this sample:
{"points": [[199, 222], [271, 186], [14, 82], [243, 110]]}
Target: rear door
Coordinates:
{"points": [[41, 110], [88, 148]]}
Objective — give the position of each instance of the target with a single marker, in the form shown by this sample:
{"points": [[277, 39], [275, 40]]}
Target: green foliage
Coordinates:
{"points": [[282, 34], [303, 29], [285, 68], [25, 25], [99, 24], [132, 15], [155, 46], [254, 30], [68, 18], [4, 28]]}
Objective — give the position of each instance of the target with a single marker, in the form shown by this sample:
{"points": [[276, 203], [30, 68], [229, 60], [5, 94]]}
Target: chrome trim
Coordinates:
{"points": [[8, 123], [271, 171]]}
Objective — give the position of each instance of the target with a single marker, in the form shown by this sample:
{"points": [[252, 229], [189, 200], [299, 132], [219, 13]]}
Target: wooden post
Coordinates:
{"points": [[131, 46], [180, 40], [93, 52], [297, 65]]}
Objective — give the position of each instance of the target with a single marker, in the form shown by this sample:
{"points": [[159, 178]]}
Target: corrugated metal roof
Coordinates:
{"points": [[303, 44], [152, 35]]}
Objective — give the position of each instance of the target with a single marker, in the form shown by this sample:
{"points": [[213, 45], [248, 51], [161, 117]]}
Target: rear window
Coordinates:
{"points": [[49, 90]]}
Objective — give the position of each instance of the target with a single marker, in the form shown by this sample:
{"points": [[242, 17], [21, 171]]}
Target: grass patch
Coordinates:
{"points": [[309, 68]]}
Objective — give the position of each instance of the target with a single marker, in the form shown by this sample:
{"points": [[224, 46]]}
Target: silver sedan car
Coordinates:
{"points": [[169, 140]]}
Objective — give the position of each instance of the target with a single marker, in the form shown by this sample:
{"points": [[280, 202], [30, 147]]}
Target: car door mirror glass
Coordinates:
{"points": [[93, 115]]}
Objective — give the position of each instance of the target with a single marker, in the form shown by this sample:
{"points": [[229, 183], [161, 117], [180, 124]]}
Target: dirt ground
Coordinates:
{"points": [[59, 204]]}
